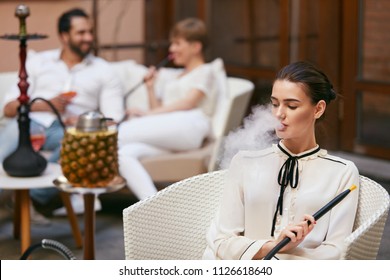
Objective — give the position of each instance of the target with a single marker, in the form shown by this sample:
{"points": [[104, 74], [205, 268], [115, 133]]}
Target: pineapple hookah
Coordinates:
{"points": [[24, 162], [90, 167]]}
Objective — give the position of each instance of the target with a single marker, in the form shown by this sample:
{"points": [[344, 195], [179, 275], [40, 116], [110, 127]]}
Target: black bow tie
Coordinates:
{"points": [[288, 174]]}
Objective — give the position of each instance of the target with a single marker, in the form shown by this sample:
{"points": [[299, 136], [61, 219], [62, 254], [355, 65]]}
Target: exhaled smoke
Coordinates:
{"points": [[257, 132]]}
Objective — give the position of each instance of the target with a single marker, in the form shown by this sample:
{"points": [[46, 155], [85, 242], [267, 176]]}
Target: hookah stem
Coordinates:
{"points": [[316, 216], [162, 63]]}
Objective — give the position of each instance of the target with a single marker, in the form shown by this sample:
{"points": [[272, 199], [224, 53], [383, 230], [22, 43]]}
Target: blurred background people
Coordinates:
{"points": [[181, 102], [74, 81]]}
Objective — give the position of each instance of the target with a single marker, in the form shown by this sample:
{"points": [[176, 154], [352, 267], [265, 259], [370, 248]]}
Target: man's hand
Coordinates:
{"points": [[61, 101]]}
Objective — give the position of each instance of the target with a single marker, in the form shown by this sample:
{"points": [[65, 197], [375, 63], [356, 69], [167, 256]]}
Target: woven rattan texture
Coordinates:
{"points": [[373, 208], [173, 223]]}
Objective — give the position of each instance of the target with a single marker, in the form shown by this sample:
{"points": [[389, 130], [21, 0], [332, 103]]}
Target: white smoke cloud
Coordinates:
{"points": [[257, 132]]}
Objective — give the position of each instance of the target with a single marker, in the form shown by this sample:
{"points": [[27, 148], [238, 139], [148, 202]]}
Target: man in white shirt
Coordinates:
{"points": [[73, 80]]}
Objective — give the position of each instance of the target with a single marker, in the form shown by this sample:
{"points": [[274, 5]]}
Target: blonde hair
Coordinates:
{"points": [[192, 30]]}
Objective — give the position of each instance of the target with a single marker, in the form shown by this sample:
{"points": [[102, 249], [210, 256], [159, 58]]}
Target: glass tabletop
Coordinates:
{"points": [[63, 184]]}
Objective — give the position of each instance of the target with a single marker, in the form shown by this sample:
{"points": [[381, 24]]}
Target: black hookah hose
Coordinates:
{"points": [[316, 216], [55, 111], [50, 244], [162, 63]]}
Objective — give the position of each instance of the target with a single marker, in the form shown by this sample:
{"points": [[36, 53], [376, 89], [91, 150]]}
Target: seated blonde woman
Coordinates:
{"points": [[181, 103]]}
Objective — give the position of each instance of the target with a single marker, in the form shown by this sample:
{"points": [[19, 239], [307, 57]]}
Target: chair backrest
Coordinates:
{"points": [[231, 114], [173, 224], [374, 202], [233, 108]]}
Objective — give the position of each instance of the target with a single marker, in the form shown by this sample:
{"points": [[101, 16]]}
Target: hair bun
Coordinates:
{"points": [[332, 93]]}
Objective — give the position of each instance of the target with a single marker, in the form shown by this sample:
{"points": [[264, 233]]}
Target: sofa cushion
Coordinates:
{"points": [[131, 75]]}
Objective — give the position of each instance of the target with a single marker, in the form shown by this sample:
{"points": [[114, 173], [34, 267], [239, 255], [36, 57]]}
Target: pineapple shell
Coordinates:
{"points": [[89, 159]]}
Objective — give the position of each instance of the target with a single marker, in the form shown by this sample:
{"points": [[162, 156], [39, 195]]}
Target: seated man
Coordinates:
{"points": [[74, 81]]}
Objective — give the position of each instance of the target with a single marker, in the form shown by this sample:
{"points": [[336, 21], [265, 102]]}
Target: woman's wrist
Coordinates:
{"points": [[264, 250]]}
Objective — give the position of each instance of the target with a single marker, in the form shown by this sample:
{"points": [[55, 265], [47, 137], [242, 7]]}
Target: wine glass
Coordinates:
{"points": [[37, 136]]}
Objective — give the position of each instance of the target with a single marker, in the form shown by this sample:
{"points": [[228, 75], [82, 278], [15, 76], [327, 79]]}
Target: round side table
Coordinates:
{"points": [[21, 186], [89, 195]]}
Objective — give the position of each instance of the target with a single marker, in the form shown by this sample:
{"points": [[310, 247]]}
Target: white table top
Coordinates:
{"points": [[53, 170]]}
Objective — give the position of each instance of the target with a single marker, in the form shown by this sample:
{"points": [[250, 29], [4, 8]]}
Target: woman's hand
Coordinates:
{"points": [[296, 233], [150, 77]]}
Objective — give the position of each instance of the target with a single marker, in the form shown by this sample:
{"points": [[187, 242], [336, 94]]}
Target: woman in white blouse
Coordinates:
{"points": [[181, 103], [272, 193]]}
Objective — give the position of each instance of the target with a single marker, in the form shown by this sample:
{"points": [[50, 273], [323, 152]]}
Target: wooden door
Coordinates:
{"points": [[366, 78]]}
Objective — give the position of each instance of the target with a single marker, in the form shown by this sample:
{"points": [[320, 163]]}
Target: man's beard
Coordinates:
{"points": [[76, 49]]}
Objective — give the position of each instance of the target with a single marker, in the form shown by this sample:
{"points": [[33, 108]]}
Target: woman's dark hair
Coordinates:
{"points": [[64, 22], [192, 30], [316, 84]]}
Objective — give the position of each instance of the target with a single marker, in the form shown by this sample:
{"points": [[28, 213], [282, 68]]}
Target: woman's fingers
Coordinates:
{"points": [[298, 231], [309, 218]]}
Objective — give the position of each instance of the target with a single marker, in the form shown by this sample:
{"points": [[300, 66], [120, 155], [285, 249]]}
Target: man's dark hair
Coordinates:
{"points": [[64, 22]]}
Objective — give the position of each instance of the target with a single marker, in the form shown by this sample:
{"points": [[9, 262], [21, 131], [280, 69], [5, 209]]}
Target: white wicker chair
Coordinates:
{"points": [[173, 223], [374, 202]]}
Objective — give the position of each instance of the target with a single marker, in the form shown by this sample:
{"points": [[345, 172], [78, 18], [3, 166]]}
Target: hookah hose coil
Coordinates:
{"points": [[52, 245]]}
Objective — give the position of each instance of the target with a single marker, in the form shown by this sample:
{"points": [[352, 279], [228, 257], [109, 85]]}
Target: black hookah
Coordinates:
{"points": [[24, 162]]}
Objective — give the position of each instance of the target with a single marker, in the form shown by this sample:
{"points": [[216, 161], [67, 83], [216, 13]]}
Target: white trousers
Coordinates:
{"points": [[156, 135]]}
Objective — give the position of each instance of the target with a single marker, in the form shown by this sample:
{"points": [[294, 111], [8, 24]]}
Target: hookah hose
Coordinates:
{"points": [[52, 245], [52, 108], [162, 63], [316, 216]]}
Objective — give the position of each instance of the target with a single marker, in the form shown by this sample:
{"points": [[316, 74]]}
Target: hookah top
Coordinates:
{"points": [[22, 11], [92, 121]]}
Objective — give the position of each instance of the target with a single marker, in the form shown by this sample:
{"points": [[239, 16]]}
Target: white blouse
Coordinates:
{"points": [[245, 219], [171, 85]]}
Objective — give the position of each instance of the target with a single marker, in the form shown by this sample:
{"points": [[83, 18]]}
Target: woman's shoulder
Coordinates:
{"points": [[255, 154], [336, 159], [339, 162], [246, 158], [169, 73]]}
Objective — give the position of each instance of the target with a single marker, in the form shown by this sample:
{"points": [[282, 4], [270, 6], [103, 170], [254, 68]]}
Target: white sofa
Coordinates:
{"points": [[233, 100]]}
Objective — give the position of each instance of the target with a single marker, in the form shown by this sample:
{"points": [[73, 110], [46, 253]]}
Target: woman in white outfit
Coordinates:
{"points": [[272, 193], [181, 102]]}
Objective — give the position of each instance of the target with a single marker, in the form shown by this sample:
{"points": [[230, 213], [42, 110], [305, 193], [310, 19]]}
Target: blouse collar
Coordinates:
{"points": [[289, 174], [280, 148]]}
